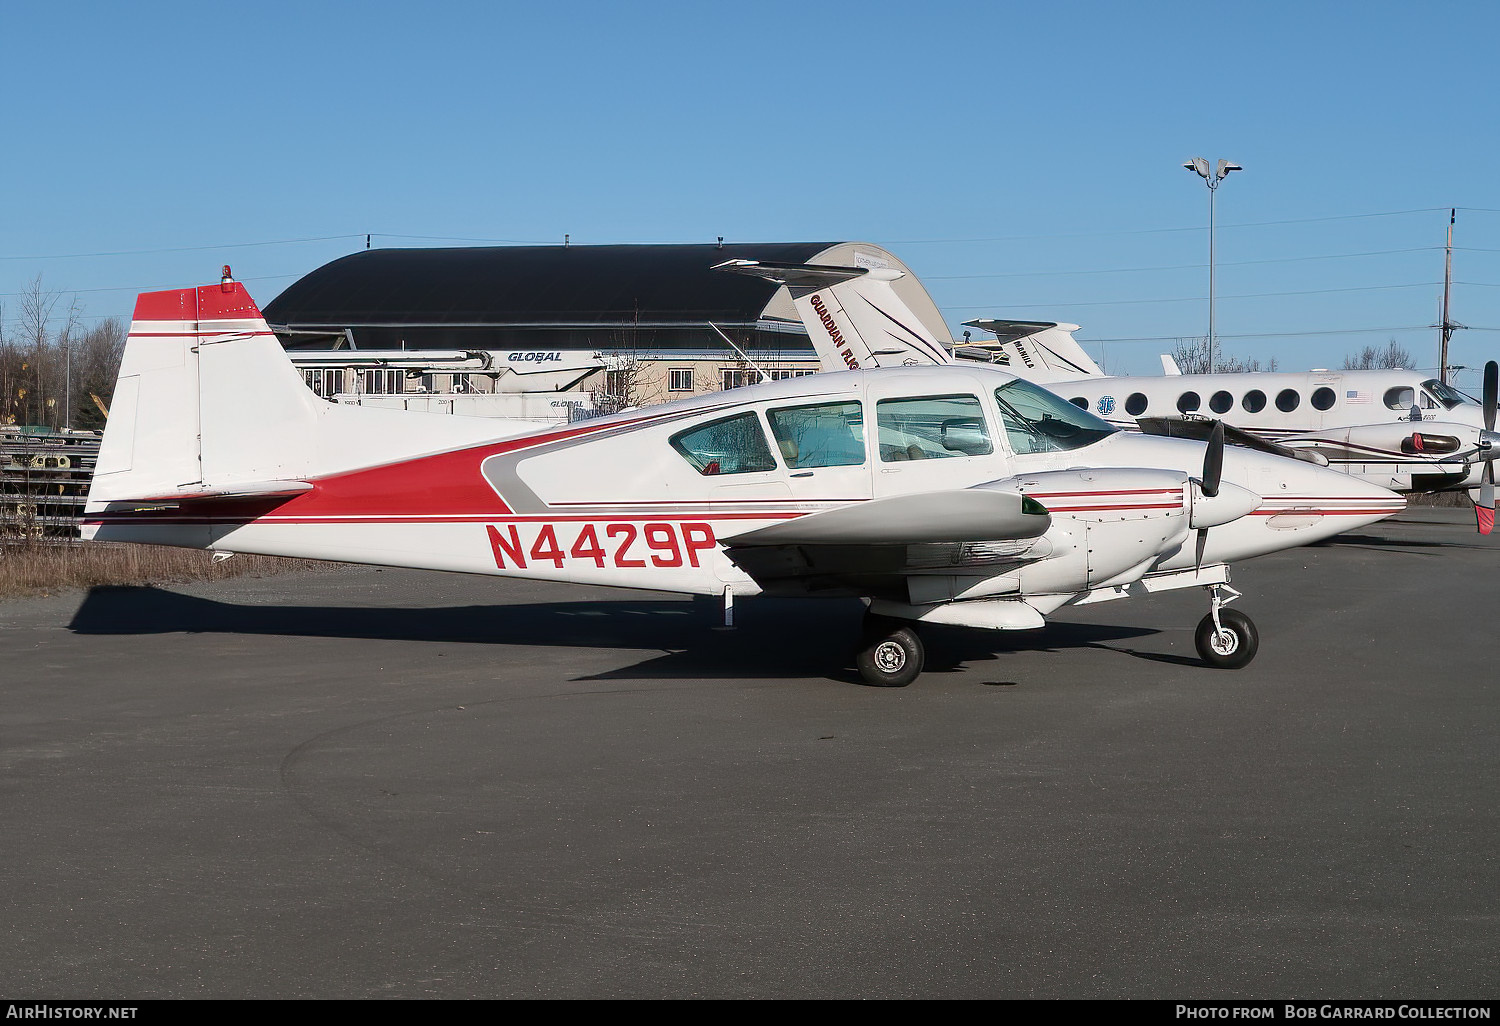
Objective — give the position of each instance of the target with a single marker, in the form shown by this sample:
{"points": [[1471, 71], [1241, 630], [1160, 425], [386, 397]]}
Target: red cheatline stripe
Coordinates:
{"points": [[1128, 491]]}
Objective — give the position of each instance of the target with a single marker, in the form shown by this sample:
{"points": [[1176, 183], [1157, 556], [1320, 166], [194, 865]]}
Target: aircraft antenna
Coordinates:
{"points": [[743, 355]]}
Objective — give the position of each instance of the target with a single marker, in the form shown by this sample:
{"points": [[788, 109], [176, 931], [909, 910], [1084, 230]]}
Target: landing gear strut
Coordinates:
{"points": [[1225, 637], [890, 653]]}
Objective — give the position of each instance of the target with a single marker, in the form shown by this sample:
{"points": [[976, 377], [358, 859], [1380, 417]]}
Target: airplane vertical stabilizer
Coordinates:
{"points": [[853, 316], [1039, 351], [207, 404]]}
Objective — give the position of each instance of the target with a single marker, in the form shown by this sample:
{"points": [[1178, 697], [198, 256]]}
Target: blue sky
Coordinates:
{"points": [[1023, 159]]}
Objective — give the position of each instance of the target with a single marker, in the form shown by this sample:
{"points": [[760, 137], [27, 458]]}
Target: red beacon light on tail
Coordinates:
{"points": [[226, 283]]}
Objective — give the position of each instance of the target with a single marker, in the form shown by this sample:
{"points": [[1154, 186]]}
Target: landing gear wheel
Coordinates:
{"points": [[1229, 646], [890, 656]]}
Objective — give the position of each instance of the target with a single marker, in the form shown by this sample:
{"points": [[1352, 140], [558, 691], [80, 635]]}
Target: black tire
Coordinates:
{"points": [[890, 658], [1230, 648]]}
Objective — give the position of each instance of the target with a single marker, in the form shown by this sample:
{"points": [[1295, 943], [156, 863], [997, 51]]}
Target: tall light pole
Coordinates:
{"points": [[1213, 177]]}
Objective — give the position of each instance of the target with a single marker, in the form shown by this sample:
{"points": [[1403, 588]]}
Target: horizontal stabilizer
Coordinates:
{"points": [[245, 490], [971, 514]]}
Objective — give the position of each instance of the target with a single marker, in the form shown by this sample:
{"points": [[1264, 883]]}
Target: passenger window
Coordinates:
{"points": [[826, 435], [1080, 402], [1288, 399], [1399, 398], [734, 445], [1135, 404], [933, 427], [1254, 401], [1187, 402], [1221, 402], [1323, 398]]}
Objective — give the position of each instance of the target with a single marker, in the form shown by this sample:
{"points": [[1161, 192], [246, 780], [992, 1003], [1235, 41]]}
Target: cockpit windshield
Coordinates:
{"points": [[1038, 421], [1446, 394]]}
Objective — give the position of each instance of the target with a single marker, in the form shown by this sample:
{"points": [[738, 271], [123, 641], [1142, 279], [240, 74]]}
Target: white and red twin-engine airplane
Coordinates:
{"points": [[941, 494]]}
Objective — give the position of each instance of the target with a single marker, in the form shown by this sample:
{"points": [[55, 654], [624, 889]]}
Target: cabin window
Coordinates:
{"points": [[1288, 399], [1221, 402], [1449, 396], [935, 427], [1080, 402], [1035, 420], [1402, 397], [1187, 402], [1322, 398], [1254, 401], [825, 435], [1135, 404], [680, 379], [734, 445]]}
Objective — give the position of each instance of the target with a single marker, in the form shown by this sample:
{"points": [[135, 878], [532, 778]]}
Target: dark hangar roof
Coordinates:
{"points": [[540, 286]]}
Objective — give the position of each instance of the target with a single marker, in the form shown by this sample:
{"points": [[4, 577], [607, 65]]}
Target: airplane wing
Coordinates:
{"points": [[1200, 429], [877, 547]]}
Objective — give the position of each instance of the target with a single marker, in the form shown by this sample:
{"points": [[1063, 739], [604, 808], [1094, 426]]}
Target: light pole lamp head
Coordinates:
{"points": [[1198, 166], [1225, 167]]}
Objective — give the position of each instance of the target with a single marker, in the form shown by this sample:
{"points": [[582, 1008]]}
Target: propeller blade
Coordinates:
{"points": [[1213, 460], [1202, 541], [1491, 392], [1484, 506]]}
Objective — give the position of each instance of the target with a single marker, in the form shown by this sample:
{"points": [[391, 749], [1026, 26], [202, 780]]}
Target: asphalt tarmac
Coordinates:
{"points": [[367, 783]]}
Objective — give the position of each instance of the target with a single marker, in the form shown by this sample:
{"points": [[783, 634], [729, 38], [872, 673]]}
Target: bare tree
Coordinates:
{"points": [[1191, 355], [1392, 357]]}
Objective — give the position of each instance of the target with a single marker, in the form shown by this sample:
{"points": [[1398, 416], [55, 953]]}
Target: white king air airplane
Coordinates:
{"points": [[940, 494], [1401, 429]]}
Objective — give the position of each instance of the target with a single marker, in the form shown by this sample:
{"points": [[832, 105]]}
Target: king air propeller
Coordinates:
{"points": [[1216, 502], [1484, 504]]}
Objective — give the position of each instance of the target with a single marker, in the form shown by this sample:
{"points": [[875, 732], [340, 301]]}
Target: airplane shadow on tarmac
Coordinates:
{"points": [[774, 638]]}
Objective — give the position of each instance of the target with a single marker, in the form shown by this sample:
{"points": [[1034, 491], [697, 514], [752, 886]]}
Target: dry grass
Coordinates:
{"points": [[28, 569]]}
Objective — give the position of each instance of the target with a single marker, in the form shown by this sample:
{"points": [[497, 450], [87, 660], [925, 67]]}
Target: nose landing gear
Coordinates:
{"points": [[1226, 638]]}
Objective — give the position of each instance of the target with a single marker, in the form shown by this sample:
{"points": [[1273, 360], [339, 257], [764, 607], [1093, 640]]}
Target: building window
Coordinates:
{"points": [[680, 379], [384, 382], [783, 375], [737, 377], [324, 382]]}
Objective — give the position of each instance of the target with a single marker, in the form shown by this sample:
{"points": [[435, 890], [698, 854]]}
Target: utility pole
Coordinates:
{"points": [[1446, 327]]}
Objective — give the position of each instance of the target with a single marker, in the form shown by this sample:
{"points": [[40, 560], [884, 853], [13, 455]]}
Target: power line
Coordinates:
{"points": [[1200, 299], [183, 249], [1175, 267], [1273, 334]]}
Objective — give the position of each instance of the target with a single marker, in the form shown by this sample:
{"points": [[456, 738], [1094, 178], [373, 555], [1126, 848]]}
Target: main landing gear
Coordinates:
{"points": [[890, 653], [1225, 637]]}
